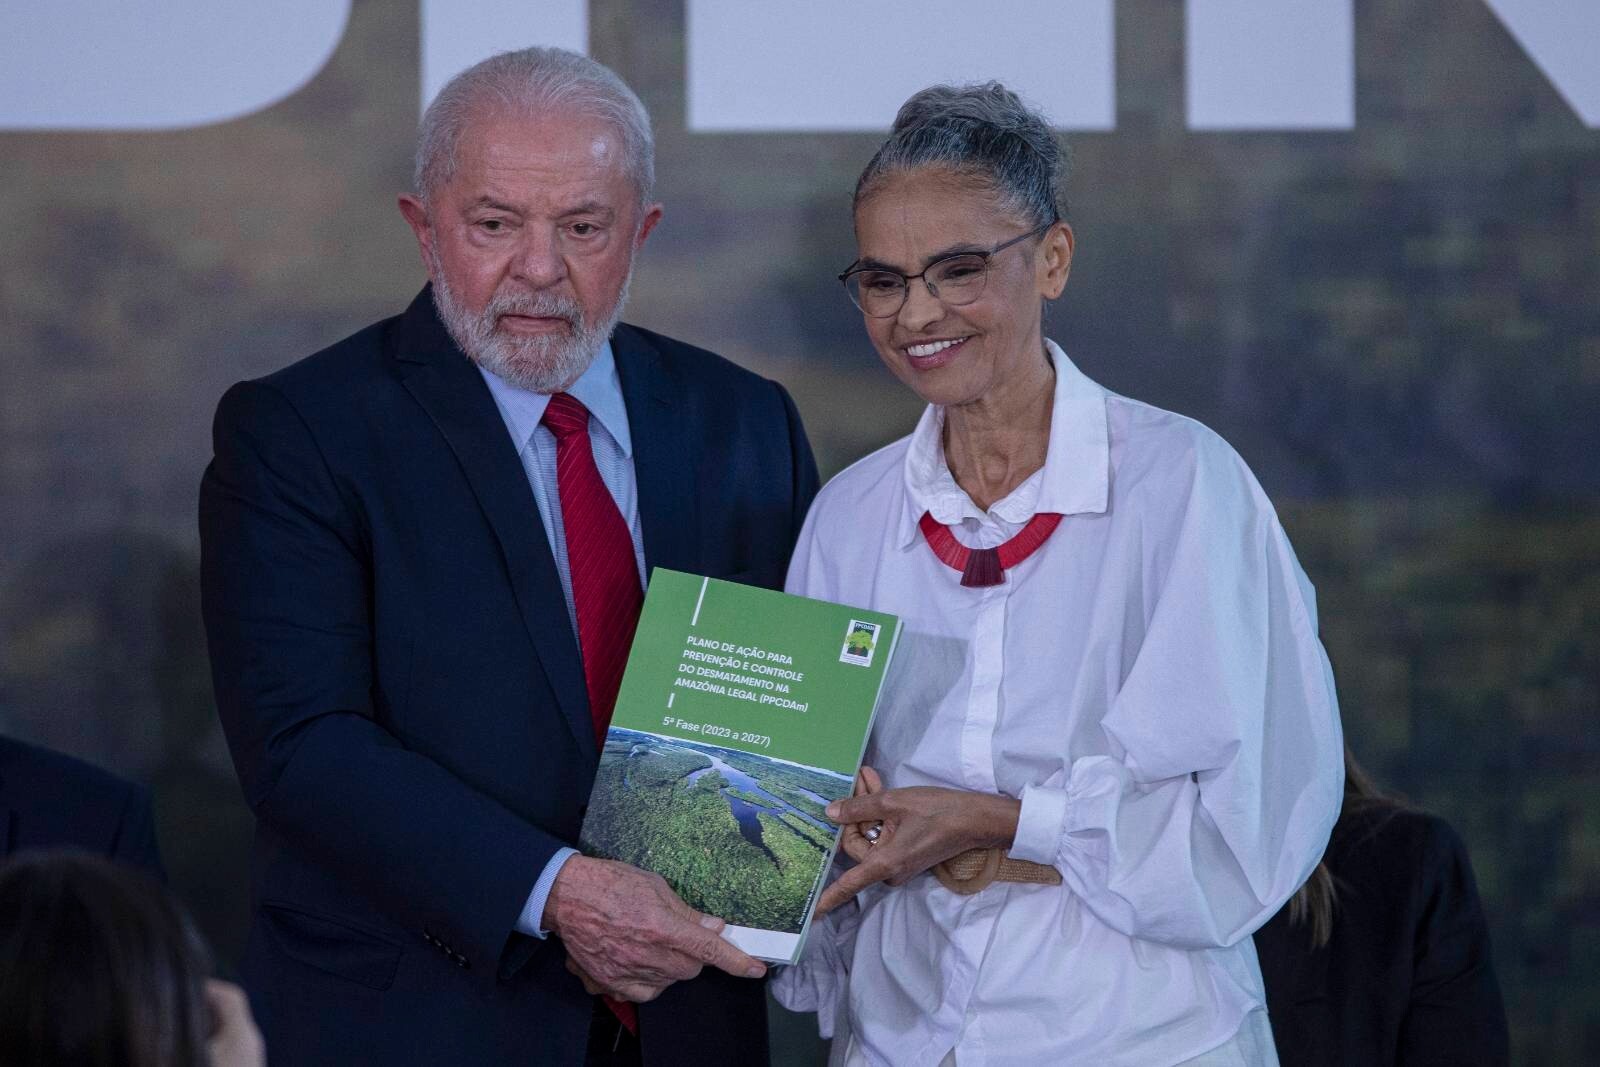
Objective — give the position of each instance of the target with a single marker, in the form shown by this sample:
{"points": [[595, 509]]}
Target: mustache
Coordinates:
{"points": [[535, 305]]}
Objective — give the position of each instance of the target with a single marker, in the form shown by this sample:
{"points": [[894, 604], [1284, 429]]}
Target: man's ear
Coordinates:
{"points": [[652, 215], [416, 216]]}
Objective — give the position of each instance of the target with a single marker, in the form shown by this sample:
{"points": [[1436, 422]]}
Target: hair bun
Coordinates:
{"points": [[988, 103], [983, 129]]}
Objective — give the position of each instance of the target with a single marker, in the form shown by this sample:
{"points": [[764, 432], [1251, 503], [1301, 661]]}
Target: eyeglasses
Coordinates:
{"points": [[954, 280]]}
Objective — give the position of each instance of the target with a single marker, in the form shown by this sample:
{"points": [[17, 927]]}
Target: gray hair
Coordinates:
{"points": [[984, 132], [531, 81]]}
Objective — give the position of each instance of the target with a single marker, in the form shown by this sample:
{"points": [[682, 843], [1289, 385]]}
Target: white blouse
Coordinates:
{"points": [[1149, 683]]}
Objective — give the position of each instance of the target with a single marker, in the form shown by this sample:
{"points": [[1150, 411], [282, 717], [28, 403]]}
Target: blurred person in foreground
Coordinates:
{"points": [[1382, 957], [423, 558], [100, 967], [50, 800], [1109, 748]]}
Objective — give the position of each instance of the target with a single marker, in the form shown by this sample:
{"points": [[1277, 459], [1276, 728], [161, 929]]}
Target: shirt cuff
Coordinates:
{"points": [[1040, 824], [533, 911]]}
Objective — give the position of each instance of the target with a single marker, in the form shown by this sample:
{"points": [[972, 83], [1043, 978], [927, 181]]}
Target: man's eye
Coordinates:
{"points": [[492, 225], [584, 229]]}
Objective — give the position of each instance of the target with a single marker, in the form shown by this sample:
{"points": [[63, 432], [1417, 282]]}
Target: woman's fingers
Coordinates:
{"points": [[855, 846], [863, 809], [847, 886]]}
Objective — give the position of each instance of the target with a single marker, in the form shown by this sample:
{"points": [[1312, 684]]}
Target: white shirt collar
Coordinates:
{"points": [[1074, 480], [598, 388]]}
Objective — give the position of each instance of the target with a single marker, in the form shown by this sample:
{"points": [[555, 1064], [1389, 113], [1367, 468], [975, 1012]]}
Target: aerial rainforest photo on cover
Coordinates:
{"points": [[737, 835]]}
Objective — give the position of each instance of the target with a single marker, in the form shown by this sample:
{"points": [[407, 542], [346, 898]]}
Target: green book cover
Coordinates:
{"points": [[743, 713]]}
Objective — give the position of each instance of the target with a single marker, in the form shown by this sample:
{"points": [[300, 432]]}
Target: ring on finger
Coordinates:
{"points": [[873, 832]]}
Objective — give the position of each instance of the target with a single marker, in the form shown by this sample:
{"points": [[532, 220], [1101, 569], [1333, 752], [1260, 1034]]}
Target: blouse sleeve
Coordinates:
{"points": [[1225, 771], [819, 980]]}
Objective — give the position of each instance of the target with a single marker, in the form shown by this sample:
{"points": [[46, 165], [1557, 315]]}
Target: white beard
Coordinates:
{"points": [[540, 364]]}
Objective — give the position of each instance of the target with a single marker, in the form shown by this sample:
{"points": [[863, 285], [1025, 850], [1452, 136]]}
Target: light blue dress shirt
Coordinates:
{"points": [[600, 390]]}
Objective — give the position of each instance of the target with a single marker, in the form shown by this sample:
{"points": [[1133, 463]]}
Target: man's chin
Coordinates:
{"points": [[547, 370]]}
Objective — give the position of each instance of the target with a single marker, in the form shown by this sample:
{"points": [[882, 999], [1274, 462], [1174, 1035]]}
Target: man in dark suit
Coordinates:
{"points": [[48, 800], [423, 552]]}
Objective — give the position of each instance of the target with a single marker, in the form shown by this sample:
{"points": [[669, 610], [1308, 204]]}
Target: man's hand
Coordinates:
{"points": [[629, 936], [922, 826]]}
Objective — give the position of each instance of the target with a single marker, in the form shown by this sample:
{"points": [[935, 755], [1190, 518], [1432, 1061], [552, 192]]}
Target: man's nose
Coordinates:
{"points": [[921, 307], [538, 261]]}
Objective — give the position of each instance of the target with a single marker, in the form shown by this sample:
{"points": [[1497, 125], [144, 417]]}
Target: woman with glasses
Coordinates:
{"points": [[1109, 747]]}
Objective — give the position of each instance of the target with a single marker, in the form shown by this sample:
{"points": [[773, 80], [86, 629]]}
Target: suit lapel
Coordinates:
{"points": [[663, 453], [452, 392]]}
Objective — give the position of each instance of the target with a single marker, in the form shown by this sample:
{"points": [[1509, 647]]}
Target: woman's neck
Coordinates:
{"points": [[995, 442]]}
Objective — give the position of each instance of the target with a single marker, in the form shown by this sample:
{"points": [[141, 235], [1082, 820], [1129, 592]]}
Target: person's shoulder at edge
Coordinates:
{"points": [[86, 806], [1367, 843]]}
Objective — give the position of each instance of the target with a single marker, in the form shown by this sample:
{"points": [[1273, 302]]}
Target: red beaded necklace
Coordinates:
{"points": [[987, 566]]}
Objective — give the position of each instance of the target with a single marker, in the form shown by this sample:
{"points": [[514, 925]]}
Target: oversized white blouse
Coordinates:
{"points": [[1149, 683]]}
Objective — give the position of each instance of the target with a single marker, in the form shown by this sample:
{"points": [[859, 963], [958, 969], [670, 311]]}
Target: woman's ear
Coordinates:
{"points": [[1055, 260]]}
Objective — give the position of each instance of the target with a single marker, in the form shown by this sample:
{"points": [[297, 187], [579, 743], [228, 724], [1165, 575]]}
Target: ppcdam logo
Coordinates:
{"points": [[860, 643]]}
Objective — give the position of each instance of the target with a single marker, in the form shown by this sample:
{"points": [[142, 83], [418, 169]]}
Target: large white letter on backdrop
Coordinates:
{"points": [[1563, 40], [458, 33], [1285, 65], [843, 65], [108, 65], [823, 65]]}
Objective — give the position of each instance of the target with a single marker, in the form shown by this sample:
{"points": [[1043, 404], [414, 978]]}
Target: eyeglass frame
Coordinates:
{"points": [[906, 279]]}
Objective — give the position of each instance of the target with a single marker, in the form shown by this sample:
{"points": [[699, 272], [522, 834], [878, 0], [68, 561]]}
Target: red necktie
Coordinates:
{"points": [[605, 577], [600, 557]]}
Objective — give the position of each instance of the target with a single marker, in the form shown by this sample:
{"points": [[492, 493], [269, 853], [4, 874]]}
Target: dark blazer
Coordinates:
{"points": [[403, 694], [1406, 978], [48, 800]]}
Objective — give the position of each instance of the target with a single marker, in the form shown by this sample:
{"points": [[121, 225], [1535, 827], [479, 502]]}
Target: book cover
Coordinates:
{"points": [[743, 712]]}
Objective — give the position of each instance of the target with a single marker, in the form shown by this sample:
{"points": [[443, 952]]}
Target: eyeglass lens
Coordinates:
{"points": [[956, 281]]}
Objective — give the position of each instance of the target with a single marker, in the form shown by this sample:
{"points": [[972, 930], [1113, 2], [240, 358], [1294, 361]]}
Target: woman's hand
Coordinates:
{"points": [[921, 826], [854, 840]]}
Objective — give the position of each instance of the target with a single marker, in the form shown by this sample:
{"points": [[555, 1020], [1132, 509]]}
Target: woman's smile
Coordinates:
{"points": [[926, 355]]}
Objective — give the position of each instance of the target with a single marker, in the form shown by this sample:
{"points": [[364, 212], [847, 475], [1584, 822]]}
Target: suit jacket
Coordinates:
{"points": [[1406, 977], [403, 694], [48, 800]]}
